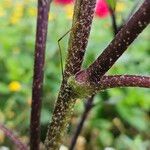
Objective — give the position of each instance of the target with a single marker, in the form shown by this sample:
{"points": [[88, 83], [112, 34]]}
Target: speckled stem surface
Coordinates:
{"points": [[87, 89], [40, 44], [137, 23], [114, 81], [82, 19]]}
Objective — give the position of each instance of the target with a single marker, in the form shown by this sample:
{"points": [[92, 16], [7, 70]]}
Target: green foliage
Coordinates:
{"points": [[119, 115]]}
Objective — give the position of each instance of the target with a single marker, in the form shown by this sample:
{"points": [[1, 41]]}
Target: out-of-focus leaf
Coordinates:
{"points": [[112, 3], [3, 88], [134, 116], [103, 135], [125, 142], [45, 116]]}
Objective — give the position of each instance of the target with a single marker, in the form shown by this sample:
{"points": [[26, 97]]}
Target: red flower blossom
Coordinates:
{"points": [[63, 2], [102, 9]]}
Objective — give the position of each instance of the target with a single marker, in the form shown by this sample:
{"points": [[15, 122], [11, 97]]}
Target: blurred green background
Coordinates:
{"points": [[120, 117]]}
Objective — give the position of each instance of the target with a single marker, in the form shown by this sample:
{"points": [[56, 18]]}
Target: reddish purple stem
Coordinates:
{"points": [[124, 81], [14, 138], [40, 44]]}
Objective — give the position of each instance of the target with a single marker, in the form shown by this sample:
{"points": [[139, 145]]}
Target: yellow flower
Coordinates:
{"points": [[69, 11], [14, 86], [17, 13], [2, 11], [120, 6]]}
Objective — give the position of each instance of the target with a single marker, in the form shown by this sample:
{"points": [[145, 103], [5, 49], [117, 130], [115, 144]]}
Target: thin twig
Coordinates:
{"points": [[87, 107], [114, 21], [40, 44], [14, 138]]}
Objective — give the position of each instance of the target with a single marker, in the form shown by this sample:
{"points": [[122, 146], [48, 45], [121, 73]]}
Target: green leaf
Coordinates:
{"points": [[45, 115], [3, 88], [104, 134]]}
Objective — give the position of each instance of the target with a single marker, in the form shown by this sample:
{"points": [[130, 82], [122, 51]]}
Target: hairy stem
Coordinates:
{"points": [[113, 19], [137, 23], [40, 44], [83, 15], [110, 82], [124, 81], [82, 20], [82, 89], [89, 101], [106, 83]]}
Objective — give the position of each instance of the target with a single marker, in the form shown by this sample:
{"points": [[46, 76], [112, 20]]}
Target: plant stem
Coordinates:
{"points": [[114, 23], [124, 81], [83, 90], [15, 139], [83, 15], [88, 106], [137, 23], [105, 83], [110, 82], [40, 44], [89, 102], [82, 20]]}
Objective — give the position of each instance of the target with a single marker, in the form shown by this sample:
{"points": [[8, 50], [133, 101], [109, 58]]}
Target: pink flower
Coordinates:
{"points": [[63, 2], [102, 9]]}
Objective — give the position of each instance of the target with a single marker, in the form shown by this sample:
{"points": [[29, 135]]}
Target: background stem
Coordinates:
{"points": [[14, 138], [40, 44], [87, 107]]}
